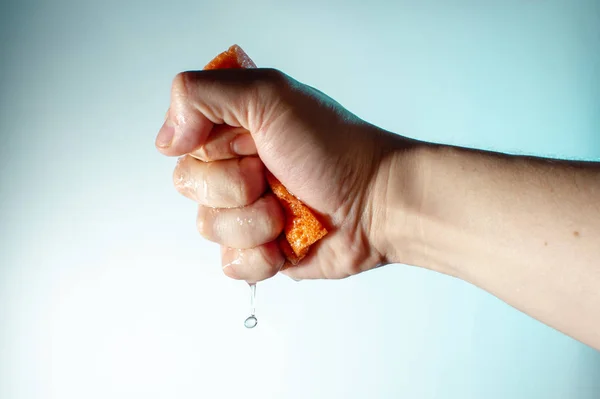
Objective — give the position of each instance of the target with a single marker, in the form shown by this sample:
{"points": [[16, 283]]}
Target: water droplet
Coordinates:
{"points": [[250, 322]]}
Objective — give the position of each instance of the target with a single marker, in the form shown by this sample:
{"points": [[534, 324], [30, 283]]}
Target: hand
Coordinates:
{"points": [[490, 219], [233, 124]]}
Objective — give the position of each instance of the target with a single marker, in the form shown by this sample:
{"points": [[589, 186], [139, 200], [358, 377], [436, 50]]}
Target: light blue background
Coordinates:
{"points": [[106, 290]]}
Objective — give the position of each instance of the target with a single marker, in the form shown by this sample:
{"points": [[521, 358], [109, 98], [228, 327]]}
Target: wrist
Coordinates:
{"points": [[405, 227]]}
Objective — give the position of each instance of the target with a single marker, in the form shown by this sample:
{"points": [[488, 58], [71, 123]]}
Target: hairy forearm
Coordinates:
{"points": [[524, 229]]}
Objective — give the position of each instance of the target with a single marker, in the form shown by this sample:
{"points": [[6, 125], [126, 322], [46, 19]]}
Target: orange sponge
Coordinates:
{"points": [[302, 228], [233, 58]]}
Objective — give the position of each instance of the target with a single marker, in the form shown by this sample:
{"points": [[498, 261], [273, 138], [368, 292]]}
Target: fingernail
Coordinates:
{"points": [[243, 144], [230, 271], [166, 134]]}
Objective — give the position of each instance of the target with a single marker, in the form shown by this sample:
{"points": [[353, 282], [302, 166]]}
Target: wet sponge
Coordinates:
{"points": [[302, 228], [233, 58]]}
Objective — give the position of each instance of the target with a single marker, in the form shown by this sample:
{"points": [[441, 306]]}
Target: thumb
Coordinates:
{"points": [[199, 100]]}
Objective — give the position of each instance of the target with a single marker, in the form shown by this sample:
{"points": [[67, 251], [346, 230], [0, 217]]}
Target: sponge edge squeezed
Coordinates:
{"points": [[233, 58], [302, 228]]}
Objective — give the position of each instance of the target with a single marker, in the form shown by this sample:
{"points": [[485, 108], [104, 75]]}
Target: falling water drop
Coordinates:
{"points": [[252, 321]]}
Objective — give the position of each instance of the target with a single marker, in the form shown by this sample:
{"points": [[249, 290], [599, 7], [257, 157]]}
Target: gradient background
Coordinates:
{"points": [[106, 290]]}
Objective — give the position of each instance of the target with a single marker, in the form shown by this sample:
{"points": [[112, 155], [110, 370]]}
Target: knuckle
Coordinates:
{"points": [[181, 177], [203, 223], [180, 83], [275, 75], [275, 80]]}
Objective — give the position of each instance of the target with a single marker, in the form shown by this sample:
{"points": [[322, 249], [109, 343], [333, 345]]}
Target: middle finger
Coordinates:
{"points": [[220, 184]]}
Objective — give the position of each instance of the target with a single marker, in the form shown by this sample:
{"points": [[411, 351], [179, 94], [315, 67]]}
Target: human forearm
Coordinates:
{"points": [[524, 229]]}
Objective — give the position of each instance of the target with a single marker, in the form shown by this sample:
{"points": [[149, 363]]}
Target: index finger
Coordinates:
{"points": [[201, 99]]}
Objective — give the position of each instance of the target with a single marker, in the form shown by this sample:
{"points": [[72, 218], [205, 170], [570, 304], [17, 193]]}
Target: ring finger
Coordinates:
{"points": [[245, 227]]}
